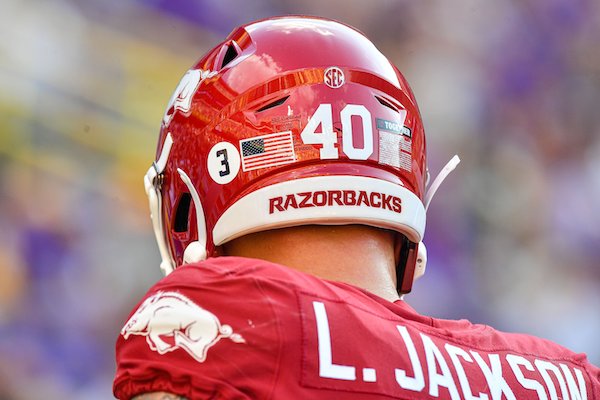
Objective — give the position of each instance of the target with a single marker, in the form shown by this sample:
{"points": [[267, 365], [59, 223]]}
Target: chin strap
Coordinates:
{"points": [[437, 182], [420, 258], [152, 184]]}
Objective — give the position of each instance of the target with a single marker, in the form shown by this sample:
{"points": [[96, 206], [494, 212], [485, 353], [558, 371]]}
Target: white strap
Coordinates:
{"points": [[421, 263], [151, 185], [435, 185]]}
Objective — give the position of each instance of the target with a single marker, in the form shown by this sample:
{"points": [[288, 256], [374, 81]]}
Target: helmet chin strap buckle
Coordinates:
{"points": [[421, 263], [194, 252]]}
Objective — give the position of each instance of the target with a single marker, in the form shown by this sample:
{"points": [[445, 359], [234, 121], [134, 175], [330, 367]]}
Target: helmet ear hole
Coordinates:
{"points": [[182, 213]]}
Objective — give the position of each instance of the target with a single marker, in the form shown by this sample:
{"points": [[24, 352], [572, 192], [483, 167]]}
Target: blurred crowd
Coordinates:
{"points": [[513, 235]]}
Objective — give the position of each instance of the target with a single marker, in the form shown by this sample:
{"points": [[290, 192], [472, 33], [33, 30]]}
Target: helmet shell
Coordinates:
{"points": [[284, 107]]}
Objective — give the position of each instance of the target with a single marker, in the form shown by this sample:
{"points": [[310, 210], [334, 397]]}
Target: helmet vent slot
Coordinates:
{"points": [[182, 214], [275, 103], [386, 103], [230, 54]]}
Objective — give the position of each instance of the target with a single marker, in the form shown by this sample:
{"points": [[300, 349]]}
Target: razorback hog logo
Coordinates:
{"points": [[171, 321], [328, 198], [182, 96]]}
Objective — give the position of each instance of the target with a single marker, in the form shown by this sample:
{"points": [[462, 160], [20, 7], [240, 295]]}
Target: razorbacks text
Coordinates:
{"points": [[328, 198]]}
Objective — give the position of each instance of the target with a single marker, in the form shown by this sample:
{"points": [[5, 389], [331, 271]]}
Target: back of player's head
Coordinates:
{"points": [[289, 121]]}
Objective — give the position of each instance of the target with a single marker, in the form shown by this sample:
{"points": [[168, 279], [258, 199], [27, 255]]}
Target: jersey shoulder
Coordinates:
{"points": [[491, 361], [218, 326], [489, 339], [231, 271]]}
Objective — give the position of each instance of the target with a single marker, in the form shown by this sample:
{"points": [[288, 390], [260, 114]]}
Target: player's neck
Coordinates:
{"points": [[357, 255]]}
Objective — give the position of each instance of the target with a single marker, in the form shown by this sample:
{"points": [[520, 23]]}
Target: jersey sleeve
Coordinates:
{"points": [[194, 334]]}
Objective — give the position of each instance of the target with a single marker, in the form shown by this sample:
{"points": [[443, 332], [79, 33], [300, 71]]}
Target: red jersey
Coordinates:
{"points": [[237, 328]]}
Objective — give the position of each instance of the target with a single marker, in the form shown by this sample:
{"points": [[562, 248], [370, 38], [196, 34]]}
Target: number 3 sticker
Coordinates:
{"points": [[327, 137], [223, 162]]}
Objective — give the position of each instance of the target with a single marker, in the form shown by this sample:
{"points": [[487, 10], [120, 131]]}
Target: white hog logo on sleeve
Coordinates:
{"points": [[171, 321]]}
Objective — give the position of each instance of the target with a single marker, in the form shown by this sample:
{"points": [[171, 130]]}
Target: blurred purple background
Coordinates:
{"points": [[513, 235]]}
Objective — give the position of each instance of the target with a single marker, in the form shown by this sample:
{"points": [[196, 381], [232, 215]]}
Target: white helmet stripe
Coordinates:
{"points": [[324, 200]]}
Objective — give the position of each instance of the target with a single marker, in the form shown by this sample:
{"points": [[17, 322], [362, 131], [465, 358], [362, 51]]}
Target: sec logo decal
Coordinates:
{"points": [[334, 77]]}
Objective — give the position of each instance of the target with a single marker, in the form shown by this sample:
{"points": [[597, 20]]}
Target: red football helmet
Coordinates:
{"points": [[289, 121]]}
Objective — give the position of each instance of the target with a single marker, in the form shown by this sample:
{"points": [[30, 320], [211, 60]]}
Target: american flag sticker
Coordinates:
{"points": [[267, 151]]}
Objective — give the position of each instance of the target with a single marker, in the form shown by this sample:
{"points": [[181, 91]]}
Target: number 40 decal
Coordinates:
{"points": [[328, 138]]}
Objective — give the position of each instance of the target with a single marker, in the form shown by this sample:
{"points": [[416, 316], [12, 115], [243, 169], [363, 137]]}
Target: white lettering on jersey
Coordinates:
{"points": [[187, 325], [443, 362], [577, 392], [454, 352], [514, 361], [416, 383], [544, 367], [434, 357], [493, 376], [327, 369]]}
